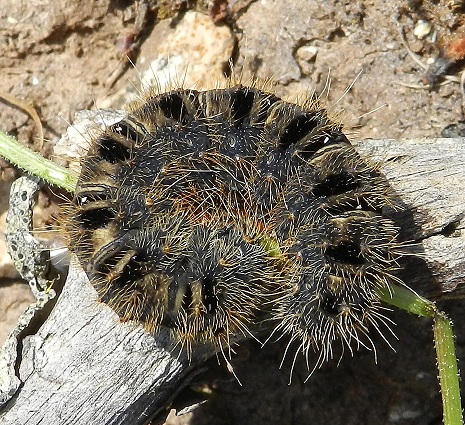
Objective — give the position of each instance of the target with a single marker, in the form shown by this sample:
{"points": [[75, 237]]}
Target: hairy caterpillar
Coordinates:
{"points": [[209, 212]]}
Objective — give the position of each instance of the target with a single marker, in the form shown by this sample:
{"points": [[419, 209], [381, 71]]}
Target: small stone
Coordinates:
{"points": [[422, 29], [307, 53], [187, 50]]}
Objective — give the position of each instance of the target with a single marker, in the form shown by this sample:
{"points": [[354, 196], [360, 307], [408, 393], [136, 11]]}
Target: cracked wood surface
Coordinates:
{"points": [[80, 365], [429, 176]]}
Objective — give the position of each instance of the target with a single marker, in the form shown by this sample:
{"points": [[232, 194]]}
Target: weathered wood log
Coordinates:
{"points": [[428, 176], [81, 365]]}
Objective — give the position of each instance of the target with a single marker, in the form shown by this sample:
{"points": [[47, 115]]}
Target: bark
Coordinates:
{"points": [[78, 364]]}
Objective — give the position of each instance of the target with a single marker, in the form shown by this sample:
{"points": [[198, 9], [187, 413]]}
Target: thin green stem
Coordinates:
{"points": [[33, 163], [448, 370], [408, 300]]}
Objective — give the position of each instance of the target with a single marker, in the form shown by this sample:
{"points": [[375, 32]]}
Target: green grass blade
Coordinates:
{"points": [[34, 164], [448, 370]]}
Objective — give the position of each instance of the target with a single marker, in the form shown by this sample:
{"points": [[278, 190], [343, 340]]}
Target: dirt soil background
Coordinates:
{"points": [[62, 56]]}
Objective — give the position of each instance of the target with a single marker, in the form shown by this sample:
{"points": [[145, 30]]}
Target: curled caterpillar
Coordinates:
{"points": [[209, 212]]}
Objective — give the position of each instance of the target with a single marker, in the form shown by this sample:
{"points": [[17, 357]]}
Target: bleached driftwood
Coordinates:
{"points": [[80, 365], [84, 367], [429, 176]]}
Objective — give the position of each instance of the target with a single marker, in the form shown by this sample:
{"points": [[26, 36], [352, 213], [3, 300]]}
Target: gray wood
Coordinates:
{"points": [[81, 365], [429, 177], [85, 367]]}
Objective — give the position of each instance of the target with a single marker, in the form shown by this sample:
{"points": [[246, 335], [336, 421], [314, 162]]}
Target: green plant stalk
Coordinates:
{"points": [[408, 300], [34, 164], [448, 370], [404, 298]]}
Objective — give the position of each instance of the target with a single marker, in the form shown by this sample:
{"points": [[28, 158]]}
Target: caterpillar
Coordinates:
{"points": [[213, 212]]}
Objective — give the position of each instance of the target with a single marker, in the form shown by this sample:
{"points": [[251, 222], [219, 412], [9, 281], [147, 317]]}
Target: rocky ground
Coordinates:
{"points": [[64, 56]]}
